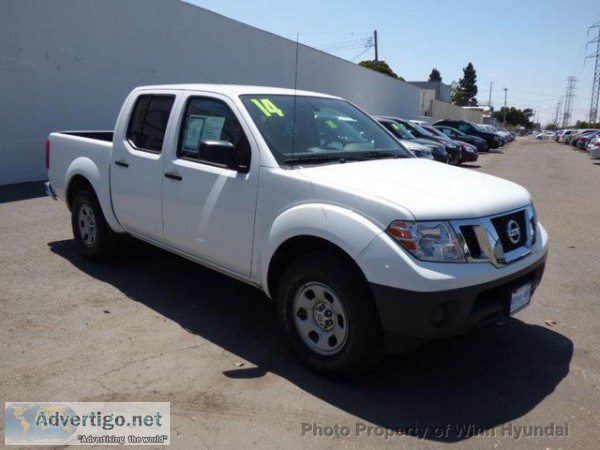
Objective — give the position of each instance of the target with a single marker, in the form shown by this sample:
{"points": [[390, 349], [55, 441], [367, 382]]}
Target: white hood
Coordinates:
{"points": [[429, 190]]}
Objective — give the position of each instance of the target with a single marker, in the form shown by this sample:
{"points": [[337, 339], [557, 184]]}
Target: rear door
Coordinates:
{"points": [[137, 165]]}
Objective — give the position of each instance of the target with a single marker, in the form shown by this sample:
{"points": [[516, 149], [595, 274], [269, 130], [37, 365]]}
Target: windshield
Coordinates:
{"points": [[483, 128], [397, 129], [419, 129], [324, 129], [436, 132]]}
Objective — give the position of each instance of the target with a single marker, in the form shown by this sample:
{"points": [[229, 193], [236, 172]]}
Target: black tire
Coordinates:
{"points": [[362, 346], [93, 236], [455, 159]]}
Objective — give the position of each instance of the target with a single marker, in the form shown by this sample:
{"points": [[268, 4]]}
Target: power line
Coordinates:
{"points": [[347, 45]]}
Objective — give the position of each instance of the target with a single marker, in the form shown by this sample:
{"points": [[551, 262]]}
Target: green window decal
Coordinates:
{"points": [[267, 107]]}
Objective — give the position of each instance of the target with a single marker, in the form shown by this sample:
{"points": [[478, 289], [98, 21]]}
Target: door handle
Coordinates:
{"points": [[122, 163], [173, 176]]}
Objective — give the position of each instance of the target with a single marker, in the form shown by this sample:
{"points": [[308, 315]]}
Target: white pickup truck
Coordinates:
{"points": [[362, 246]]}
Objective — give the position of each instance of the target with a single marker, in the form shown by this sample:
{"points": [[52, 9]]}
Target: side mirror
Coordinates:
{"points": [[223, 153]]}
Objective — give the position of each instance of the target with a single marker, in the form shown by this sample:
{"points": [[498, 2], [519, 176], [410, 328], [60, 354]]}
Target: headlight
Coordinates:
{"points": [[428, 241]]}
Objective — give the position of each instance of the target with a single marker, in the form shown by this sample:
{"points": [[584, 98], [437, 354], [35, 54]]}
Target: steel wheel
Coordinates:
{"points": [[320, 318], [87, 225]]}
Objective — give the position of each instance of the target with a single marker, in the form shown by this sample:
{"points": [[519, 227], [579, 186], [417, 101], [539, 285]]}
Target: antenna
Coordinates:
{"points": [[295, 96]]}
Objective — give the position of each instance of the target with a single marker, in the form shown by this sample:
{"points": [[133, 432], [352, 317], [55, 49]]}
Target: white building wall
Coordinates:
{"points": [[68, 64]]}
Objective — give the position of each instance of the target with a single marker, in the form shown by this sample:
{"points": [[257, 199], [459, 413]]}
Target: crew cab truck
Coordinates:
{"points": [[363, 247]]}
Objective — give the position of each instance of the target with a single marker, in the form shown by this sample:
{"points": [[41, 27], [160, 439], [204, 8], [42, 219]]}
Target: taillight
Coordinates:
{"points": [[47, 154]]}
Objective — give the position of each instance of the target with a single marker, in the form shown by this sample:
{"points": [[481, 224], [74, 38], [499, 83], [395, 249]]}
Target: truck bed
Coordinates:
{"points": [[98, 135]]}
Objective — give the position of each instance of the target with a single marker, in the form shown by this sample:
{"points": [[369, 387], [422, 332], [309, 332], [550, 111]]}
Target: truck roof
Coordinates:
{"points": [[232, 89]]}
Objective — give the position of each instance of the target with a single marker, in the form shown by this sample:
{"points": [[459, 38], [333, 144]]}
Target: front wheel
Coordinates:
{"points": [[328, 315], [455, 159], [92, 234]]}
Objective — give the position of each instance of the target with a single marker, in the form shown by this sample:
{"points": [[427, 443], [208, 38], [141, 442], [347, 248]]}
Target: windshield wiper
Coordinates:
{"points": [[316, 159], [379, 155]]}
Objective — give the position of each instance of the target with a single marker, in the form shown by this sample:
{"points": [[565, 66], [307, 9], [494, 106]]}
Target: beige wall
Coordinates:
{"points": [[443, 110], [68, 64], [426, 101]]}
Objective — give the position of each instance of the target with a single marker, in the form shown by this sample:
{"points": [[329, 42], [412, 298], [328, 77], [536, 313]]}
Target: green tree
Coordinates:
{"points": [[457, 93], [515, 116], [468, 86], [583, 124], [435, 75], [381, 67]]}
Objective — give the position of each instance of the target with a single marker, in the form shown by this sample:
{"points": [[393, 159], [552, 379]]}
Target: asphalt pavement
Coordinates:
{"points": [[150, 326]]}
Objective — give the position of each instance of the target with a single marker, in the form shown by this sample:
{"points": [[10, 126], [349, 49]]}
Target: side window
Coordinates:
{"points": [[208, 119], [148, 122], [463, 127]]}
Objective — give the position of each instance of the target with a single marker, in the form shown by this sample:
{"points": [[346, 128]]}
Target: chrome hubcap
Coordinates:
{"points": [[87, 225], [320, 318]]}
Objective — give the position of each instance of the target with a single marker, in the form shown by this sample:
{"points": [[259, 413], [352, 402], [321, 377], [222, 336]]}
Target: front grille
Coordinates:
{"points": [[471, 240], [501, 225]]}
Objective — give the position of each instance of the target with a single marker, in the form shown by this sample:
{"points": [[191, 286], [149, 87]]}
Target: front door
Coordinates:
{"points": [[209, 209]]}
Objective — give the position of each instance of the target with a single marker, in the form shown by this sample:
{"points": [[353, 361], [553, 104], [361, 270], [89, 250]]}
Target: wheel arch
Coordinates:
{"points": [[301, 245], [306, 228], [84, 173]]}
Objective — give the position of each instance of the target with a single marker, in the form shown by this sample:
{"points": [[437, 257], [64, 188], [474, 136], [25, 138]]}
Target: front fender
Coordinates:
{"points": [[88, 169], [342, 227]]}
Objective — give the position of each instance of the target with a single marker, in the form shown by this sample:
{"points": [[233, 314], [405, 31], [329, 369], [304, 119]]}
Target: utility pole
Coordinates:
{"points": [[490, 100], [505, 94], [593, 116], [569, 96], [376, 49]]}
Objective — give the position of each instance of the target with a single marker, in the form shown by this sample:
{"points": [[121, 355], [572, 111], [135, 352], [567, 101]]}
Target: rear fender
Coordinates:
{"points": [[88, 169]]}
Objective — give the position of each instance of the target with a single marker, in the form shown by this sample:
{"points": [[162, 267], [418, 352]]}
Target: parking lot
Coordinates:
{"points": [[150, 326]]}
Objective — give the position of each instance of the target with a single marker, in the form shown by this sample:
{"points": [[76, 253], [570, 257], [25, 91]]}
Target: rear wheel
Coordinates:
{"points": [[328, 315], [92, 234]]}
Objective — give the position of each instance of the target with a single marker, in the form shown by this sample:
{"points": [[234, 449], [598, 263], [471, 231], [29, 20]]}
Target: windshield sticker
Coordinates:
{"points": [[194, 132], [331, 124], [267, 107], [395, 126]]}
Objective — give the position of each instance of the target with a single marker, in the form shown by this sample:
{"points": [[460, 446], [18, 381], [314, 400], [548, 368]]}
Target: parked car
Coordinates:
{"points": [[419, 150], [362, 246], [593, 147], [505, 135], [564, 135], [469, 152], [492, 139], [454, 151], [545, 135], [585, 139], [581, 137], [456, 135], [401, 132], [511, 134]]}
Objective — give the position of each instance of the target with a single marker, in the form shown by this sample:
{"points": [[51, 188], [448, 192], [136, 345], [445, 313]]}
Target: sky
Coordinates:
{"points": [[529, 47]]}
